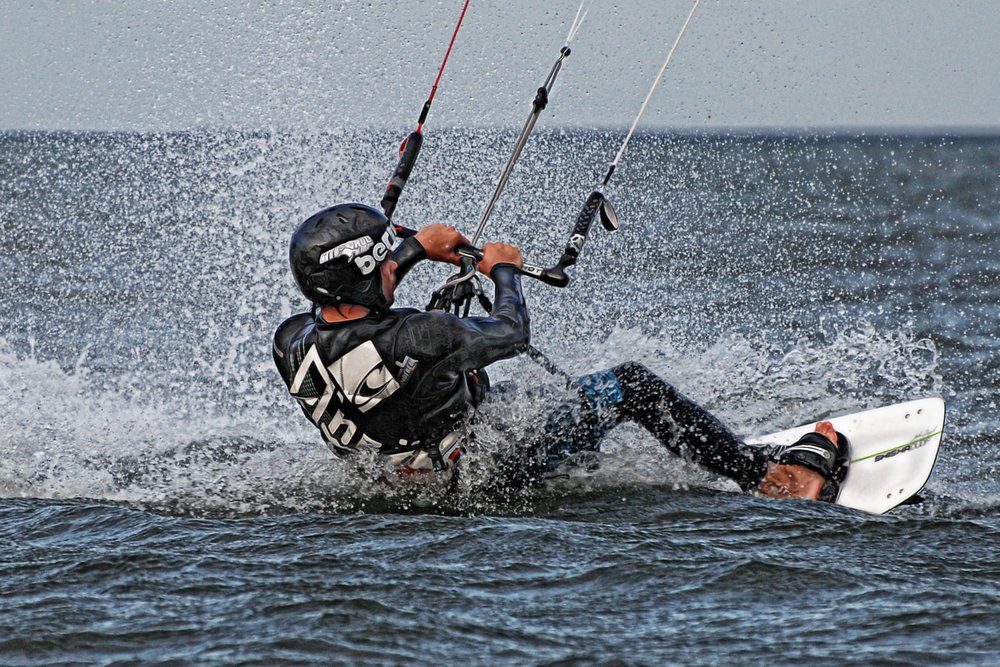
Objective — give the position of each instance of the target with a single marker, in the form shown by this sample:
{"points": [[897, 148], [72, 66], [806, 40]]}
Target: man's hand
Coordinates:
{"points": [[499, 253], [439, 242], [788, 481]]}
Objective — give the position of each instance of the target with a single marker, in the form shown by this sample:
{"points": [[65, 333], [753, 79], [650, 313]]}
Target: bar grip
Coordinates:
{"points": [[408, 152], [555, 276]]}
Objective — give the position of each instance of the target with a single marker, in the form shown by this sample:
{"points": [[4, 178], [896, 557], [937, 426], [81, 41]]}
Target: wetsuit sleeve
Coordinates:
{"points": [[282, 341], [506, 333], [406, 256], [508, 301], [459, 344]]}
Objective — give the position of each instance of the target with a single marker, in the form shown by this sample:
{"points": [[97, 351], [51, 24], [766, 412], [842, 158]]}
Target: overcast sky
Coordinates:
{"points": [[315, 65]]}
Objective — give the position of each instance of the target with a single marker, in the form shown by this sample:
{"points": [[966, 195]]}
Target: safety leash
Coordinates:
{"points": [[537, 106], [596, 205], [597, 202]]}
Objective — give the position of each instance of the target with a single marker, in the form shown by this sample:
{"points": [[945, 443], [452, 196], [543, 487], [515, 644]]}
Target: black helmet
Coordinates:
{"points": [[335, 255]]}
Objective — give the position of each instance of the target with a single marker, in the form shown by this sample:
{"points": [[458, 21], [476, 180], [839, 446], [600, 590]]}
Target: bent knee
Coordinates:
{"points": [[633, 372], [640, 384]]}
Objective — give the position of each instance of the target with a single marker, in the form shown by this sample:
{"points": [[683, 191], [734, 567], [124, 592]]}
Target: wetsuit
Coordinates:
{"points": [[404, 383], [633, 393], [403, 380]]}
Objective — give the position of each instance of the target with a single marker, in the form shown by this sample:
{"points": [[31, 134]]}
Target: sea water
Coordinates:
{"points": [[163, 500]]}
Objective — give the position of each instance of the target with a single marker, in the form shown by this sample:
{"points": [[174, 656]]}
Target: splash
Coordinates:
{"points": [[70, 432], [773, 281]]}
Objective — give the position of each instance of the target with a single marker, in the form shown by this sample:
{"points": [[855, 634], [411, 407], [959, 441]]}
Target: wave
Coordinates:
{"points": [[75, 432]]}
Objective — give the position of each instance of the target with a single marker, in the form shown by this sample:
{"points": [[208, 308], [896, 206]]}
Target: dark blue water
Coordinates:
{"points": [[163, 501]]}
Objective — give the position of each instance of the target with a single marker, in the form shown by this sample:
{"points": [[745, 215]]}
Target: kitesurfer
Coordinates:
{"points": [[404, 382]]}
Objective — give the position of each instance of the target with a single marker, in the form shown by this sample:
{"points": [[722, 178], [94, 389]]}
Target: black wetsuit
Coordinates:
{"points": [[404, 380], [401, 380], [633, 393]]}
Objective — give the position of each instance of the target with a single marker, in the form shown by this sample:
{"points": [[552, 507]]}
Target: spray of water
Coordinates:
{"points": [[157, 388]]}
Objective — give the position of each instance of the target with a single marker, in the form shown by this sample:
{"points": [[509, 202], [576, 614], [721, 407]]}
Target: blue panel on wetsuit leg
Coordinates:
{"points": [[576, 432], [602, 390]]}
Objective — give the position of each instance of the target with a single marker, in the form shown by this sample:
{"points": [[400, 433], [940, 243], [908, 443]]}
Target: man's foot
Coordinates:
{"points": [[805, 467], [826, 430]]}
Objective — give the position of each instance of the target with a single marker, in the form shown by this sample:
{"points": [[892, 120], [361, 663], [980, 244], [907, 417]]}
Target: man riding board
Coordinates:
{"points": [[404, 382]]}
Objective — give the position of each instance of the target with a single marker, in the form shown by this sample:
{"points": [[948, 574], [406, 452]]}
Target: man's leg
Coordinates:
{"points": [[632, 393]]}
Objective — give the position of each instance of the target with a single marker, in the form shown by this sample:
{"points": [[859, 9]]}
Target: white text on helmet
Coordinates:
{"points": [[365, 253]]}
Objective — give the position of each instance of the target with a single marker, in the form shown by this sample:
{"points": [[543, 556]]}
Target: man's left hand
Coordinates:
{"points": [[439, 242]]}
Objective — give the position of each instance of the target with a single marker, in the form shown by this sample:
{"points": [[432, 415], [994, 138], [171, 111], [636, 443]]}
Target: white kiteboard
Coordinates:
{"points": [[893, 450]]}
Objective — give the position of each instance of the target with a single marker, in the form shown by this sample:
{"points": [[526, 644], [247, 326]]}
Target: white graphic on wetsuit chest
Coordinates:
{"points": [[363, 377], [359, 378]]}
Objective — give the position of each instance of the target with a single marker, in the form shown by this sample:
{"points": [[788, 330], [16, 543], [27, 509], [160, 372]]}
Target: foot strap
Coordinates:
{"points": [[812, 451], [817, 453]]}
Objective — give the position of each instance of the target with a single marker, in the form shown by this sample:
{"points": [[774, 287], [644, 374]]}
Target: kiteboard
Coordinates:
{"points": [[893, 450]]}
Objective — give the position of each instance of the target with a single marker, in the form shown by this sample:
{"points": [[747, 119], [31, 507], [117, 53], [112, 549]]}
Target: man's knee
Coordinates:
{"points": [[641, 387], [634, 374]]}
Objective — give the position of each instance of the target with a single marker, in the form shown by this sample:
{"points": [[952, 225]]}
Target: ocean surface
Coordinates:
{"points": [[163, 501]]}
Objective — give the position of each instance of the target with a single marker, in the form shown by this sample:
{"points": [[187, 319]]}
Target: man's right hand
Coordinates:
{"points": [[499, 253]]}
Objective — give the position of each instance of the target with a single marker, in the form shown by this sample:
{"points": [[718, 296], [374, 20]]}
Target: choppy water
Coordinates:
{"points": [[162, 500]]}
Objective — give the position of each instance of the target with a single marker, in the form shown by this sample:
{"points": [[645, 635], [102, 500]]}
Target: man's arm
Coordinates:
{"points": [[501, 263], [506, 332], [281, 343], [459, 344], [435, 242]]}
